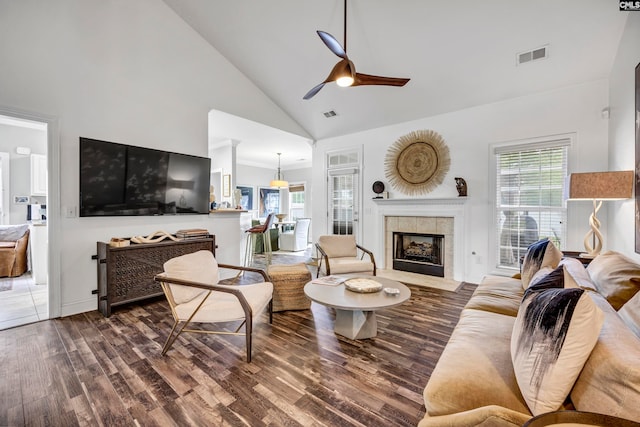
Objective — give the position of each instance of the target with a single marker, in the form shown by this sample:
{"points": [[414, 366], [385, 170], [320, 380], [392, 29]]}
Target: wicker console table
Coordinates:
{"points": [[125, 274]]}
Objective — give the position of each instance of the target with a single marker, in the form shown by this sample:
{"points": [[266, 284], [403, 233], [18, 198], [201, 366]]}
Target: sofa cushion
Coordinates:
{"points": [[539, 255], [487, 416], [610, 380], [616, 277], [198, 267], [630, 314], [475, 368], [553, 335], [497, 294]]}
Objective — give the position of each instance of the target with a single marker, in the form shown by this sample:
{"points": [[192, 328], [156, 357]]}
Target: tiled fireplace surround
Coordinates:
{"points": [[434, 216]]}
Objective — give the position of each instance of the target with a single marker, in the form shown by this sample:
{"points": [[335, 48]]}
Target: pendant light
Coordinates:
{"points": [[279, 181]]}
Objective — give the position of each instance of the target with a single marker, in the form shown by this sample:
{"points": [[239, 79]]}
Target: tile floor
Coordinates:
{"points": [[22, 301]]}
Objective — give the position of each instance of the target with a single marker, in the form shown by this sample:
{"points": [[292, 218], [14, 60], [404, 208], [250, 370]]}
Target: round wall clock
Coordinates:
{"points": [[417, 162], [378, 188]]}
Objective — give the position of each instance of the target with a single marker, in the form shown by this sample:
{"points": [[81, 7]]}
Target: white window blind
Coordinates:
{"points": [[530, 180], [296, 201]]}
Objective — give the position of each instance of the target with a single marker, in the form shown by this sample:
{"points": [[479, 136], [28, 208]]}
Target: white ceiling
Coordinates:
{"points": [[458, 54]]}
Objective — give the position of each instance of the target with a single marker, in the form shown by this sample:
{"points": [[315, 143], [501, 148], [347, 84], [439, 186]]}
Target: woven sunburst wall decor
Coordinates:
{"points": [[417, 162]]}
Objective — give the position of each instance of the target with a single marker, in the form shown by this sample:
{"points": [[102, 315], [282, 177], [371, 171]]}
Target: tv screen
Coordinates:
{"points": [[118, 179]]}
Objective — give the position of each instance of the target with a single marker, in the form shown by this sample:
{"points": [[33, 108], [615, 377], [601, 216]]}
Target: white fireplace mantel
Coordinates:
{"points": [[422, 201], [453, 207]]}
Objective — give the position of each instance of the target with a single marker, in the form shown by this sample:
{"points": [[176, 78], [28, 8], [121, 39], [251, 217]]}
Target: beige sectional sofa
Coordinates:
{"points": [[474, 382]]}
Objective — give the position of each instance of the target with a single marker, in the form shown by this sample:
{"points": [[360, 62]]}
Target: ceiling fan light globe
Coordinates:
{"points": [[344, 81]]}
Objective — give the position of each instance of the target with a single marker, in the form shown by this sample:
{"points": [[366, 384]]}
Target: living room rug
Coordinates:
{"points": [[420, 279]]}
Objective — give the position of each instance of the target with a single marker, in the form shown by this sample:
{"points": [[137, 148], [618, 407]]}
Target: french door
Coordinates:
{"points": [[343, 182]]}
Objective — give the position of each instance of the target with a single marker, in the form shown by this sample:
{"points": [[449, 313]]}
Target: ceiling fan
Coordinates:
{"points": [[344, 72]]}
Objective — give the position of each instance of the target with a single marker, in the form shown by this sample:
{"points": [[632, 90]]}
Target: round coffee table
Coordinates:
{"points": [[356, 312]]}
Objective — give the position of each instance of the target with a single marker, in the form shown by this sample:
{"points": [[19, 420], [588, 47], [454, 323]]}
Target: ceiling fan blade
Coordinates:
{"points": [[332, 44], [313, 91], [367, 79]]}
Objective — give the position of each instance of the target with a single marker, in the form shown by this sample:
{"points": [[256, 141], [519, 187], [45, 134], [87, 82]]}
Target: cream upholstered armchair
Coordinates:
{"points": [[190, 283], [340, 255]]}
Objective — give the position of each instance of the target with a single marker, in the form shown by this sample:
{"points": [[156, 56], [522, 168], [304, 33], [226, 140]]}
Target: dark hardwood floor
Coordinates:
{"points": [[90, 370]]}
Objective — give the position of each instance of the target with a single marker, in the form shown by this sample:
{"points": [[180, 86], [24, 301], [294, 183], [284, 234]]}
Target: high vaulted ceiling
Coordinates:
{"points": [[458, 54]]}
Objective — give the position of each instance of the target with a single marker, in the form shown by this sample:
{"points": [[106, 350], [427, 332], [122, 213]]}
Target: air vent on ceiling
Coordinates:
{"points": [[329, 114], [532, 55]]}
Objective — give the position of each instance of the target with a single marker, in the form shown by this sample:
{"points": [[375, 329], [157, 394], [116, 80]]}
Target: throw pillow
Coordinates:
{"points": [[540, 254], [547, 278], [575, 275], [553, 335], [616, 277], [199, 267]]}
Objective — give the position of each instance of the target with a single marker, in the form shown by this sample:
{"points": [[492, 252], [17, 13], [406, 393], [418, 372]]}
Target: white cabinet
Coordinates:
{"points": [[38, 175]]}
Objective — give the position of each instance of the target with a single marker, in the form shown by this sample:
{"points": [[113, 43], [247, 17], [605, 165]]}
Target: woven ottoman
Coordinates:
{"points": [[288, 286]]}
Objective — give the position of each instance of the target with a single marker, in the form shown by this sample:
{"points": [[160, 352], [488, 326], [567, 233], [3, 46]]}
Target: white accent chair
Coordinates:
{"points": [[190, 283], [298, 239], [340, 254]]}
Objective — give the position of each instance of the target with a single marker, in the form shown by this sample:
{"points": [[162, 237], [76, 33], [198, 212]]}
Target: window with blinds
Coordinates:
{"points": [[296, 201], [530, 183]]}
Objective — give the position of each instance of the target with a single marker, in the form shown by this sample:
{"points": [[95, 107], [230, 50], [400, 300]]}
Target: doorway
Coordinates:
{"points": [[343, 195], [24, 291]]}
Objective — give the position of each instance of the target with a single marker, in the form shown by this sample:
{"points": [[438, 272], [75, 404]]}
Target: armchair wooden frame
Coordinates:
{"points": [[165, 281], [324, 257]]}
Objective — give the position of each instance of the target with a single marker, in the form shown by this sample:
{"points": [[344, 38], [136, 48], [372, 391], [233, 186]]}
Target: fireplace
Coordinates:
{"points": [[440, 216], [419, 253]]}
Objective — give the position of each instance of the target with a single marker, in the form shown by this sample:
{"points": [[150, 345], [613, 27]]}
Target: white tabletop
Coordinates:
{"points": [[341, 298]]}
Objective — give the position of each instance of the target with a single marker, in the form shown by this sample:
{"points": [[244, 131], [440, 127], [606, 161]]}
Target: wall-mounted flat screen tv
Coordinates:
{"points": [[124, 180]]}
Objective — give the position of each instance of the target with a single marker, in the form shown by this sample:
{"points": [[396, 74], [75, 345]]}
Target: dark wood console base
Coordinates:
{"points": [[125, 274]]}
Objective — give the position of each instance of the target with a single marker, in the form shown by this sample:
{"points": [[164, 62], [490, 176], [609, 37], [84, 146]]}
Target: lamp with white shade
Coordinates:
{"points": [[598, 186], [279, 181]]}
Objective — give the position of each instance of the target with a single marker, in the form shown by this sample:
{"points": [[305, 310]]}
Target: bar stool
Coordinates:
{"points": [[254, 232]]}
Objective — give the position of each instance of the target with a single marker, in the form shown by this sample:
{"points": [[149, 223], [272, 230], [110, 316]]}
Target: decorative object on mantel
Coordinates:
{"points": [[117, 242], [154, 237], [461, 186], [417, 162], [378, 188]]}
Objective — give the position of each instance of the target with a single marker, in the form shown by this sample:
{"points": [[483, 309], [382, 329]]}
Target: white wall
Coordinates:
{"points": [[125, 71], [20, 165], [468, 134], [621, 224]]}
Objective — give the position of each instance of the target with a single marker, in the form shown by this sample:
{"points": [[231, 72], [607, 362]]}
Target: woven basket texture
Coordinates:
{"points": [[288, 286]]}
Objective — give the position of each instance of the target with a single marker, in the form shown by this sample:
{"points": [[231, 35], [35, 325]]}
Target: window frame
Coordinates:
{"points": [[550, 141]]}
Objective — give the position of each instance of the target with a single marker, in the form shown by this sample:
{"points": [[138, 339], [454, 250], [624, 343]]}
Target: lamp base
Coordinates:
{"points": [[593, 239]]}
